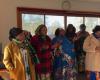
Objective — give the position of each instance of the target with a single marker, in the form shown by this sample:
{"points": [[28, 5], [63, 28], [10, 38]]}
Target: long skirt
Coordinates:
{"points": [[58, 68], [70, 73], [67, 72]]}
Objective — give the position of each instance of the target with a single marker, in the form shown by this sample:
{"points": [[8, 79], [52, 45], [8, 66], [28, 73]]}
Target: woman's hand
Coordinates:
{"points": [[56, 45]]}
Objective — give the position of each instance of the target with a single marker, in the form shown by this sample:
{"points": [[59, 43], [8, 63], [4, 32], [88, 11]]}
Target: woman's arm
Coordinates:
{"points": [[7, 59], [89, 45]]}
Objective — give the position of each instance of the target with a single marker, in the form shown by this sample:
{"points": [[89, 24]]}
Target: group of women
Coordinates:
{"points": [[40, 58]]}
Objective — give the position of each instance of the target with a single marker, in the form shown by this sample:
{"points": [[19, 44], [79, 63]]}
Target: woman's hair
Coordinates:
{"points": [[37, 31], [71, 28], [57, 32], [14, 32], [97, 28], [83, 26], [70, 32]]}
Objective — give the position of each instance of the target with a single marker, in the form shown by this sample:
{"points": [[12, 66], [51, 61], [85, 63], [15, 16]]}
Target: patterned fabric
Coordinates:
{"points": [[70, 65], [64, 64], [43, 48], [23, 50], [32, 51], [70, 73], [26, 63]]}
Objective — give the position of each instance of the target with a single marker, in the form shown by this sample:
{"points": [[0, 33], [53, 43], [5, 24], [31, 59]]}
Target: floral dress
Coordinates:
{"points": [[64, 68], [69, 69]]}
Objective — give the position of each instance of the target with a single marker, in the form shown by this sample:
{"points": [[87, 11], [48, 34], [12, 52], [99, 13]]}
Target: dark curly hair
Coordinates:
{"points": [[14, 32], [57, 32], [97, 28], [83, 26]]}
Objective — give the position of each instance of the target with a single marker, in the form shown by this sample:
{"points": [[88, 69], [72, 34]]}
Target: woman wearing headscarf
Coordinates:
{"points": [[92, 48], [16, 57], [42, 43]]}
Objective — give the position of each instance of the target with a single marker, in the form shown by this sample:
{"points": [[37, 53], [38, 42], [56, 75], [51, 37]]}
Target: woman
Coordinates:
{"points": [[69, 50], [92, 48], [58, 54], [16, 57], [42, 43], [64, 57], [81, 36]]}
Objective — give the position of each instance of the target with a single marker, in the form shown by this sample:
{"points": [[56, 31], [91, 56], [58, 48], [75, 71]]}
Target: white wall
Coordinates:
{"points": [[8, 11]]}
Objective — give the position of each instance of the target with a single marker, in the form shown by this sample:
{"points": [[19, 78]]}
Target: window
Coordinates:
{"points": [[91, 22], [31, 21], [30, 18], [54, 22], [76, 21]]}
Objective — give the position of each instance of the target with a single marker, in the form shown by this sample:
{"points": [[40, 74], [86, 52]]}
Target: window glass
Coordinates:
{"points": [[91, 22], [54, 22], [31, 21], [76, 21]]}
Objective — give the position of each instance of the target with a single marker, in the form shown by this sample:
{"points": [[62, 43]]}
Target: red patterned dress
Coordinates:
{"points": [[43, 49]]}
